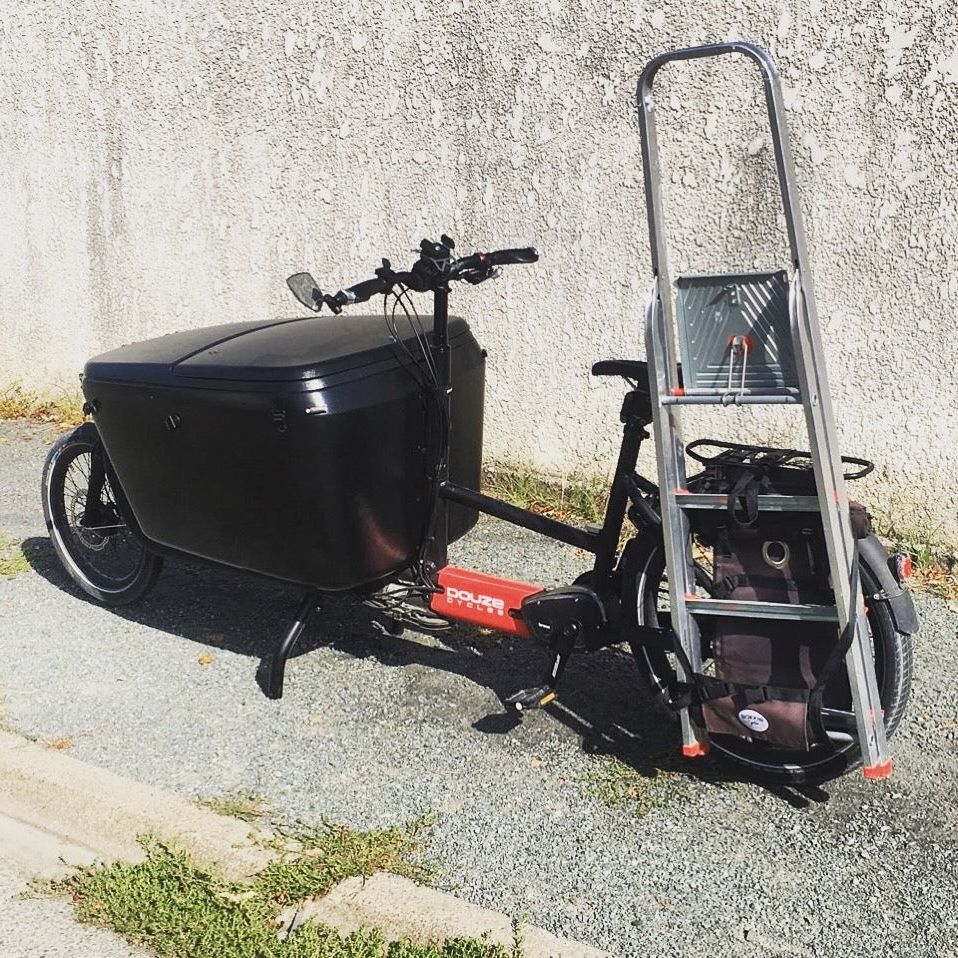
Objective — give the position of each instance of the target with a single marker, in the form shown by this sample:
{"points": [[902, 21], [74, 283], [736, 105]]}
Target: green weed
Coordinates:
{"points": [[245, 806], [573, 498], [12, 560], [614, 783], [934, 566], [314, 858], [177, 909]]}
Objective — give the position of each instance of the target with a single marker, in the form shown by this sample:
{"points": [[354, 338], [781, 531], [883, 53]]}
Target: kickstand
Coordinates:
{"points": [[276, 669]]}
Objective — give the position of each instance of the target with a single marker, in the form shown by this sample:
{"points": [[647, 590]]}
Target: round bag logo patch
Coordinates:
{"points": [[753, 720]]}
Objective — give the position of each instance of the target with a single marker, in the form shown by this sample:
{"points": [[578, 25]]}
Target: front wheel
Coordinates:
{"points": [[892, 651], [103, 555]]}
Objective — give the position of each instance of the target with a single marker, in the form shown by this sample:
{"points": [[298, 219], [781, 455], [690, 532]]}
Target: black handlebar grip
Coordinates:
{"points": [[507, 257], [362, 291]]}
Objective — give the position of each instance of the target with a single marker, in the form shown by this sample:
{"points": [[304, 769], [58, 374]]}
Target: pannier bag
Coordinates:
{"points": [[770, 674]]}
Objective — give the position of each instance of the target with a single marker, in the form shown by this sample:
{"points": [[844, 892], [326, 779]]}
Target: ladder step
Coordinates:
{"points": [[732, 399], [839, 721], [762, 610], [690, 500]]}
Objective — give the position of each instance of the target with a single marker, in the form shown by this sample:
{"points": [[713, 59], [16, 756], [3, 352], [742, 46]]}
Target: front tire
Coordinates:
{"points": [[106, 558], [892, 651]]}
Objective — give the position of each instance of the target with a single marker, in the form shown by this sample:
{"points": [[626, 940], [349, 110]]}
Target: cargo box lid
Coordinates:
{"points": [[282, 350], [310, 348]]}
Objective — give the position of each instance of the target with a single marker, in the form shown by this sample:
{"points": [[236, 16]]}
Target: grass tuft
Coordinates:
{"points": [[64, 409], [177, 909], [6, 724], [314, 858], [13, 562], [615, 784], [245, 806], [571, 499]]}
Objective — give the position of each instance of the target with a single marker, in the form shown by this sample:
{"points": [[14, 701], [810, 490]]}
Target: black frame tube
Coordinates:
{"points": [[571, 535], [436, 553], [602, 544], [632, 436]]}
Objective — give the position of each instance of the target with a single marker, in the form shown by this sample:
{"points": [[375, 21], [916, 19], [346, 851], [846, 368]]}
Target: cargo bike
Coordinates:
{"points": [[343, 454]]}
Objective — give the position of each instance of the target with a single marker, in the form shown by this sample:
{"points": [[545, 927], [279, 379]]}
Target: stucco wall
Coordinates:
{"points": [[167, 164]]}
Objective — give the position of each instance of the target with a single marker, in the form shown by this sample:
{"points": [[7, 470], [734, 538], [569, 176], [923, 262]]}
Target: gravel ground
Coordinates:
{"points": [[374, 731]]}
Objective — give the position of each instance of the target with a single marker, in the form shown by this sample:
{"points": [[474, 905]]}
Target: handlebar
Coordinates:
{"points": [[499, 257], [434, 269], [507, 257]]}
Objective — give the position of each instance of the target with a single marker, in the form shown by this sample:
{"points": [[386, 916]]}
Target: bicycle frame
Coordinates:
{"points": [[601, 542]]}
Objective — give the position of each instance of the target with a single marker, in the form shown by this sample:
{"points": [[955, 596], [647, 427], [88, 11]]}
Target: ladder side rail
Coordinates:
{"points": [[663, 378], [826, 462], [822, 433], [675, 524], [813, 374], [833, 503], [655, 214]]}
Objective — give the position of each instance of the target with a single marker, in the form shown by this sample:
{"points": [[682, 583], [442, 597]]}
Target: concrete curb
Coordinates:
{"points": [[57, 812], [93, 810], [401, 907]]}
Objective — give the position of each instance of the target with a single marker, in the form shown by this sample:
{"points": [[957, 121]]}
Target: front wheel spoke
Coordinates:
{"points": [[106, 551]]}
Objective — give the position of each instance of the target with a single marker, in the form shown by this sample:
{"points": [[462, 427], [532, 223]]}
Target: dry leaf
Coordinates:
{"points": [[205, 659]]}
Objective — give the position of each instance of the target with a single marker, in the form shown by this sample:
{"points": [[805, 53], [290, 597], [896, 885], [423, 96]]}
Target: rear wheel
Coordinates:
{"points": [[103, 555], [892, 651]]}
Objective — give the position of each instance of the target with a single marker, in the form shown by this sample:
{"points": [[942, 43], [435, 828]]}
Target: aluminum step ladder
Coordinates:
{"points": [[778, 360]]}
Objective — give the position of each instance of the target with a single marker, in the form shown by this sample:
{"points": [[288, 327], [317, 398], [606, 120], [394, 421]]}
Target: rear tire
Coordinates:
{"points": [[892, 652], [109, 561]]}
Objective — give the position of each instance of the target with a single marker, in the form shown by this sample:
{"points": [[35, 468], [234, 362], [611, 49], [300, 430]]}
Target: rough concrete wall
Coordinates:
{"points": [[167, 164]]}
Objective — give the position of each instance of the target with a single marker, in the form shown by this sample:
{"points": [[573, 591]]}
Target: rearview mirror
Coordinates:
{"points": [[304, 288]]}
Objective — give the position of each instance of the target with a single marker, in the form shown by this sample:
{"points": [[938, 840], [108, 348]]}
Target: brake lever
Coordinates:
{"points": [[475, 277], [334, 307]]}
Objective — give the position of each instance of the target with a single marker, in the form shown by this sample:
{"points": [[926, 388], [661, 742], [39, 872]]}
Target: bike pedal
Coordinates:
{"points": [[526, 699]]}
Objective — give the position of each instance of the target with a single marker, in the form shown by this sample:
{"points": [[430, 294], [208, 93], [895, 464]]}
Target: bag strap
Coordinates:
{"points": [[836, 656], [745, 491], [709, 688]]}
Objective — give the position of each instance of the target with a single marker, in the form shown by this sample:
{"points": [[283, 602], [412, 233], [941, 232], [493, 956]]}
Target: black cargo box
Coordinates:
{"points": [[297, 448]]}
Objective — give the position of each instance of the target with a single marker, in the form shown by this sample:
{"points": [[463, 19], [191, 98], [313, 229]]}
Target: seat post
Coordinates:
{"points": [[636, 415]]}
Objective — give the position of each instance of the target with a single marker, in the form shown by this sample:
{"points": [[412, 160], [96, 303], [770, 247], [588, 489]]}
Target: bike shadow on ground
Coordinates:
{"points": [[605, 703]]}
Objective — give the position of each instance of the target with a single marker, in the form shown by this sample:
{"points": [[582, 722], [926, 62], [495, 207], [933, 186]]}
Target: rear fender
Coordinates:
{"points": [[875, 557]]}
